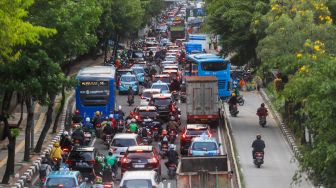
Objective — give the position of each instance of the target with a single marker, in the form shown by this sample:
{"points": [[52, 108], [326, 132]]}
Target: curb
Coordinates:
{"points": [[288, 135], [34, 168]]}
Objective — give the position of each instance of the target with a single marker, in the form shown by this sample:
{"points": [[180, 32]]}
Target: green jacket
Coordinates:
{"points": [[133, 127], [110, 160]]}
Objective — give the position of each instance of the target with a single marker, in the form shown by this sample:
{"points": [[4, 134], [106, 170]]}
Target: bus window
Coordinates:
{"points": [[94, 93], [214, 66]]}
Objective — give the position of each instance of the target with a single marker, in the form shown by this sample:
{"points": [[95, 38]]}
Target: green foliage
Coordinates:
{"points": [[151, 9], [75, 22], [15, 31], [15, 132]]}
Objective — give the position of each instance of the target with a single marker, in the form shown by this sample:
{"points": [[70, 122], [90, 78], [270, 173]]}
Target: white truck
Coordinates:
{"points": [[202, 99]]}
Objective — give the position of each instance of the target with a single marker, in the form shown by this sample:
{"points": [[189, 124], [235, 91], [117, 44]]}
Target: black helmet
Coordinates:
{"points": [[258, 136], [110, 153], [262, 105]]}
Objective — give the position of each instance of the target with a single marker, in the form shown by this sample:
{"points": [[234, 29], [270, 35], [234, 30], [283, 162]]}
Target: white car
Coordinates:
{"points": [[147, 95], [122, 141], [140, 179]]}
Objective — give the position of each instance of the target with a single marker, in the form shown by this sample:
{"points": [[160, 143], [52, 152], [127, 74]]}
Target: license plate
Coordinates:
{"points": [[79, 164], [138, 166]]}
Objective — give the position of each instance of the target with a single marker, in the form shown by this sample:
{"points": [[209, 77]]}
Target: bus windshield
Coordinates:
{"points": [[94, 93], [214, 66]]}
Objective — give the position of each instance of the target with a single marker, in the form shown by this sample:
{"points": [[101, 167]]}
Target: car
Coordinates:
{"points": [[164, 63], [64, 178], [120, 72], [147, 111], [164, 87], [147, 95], [122, 141], [139, 72], [83, 160], [141, 158], [204, 146], [191, 131], [138, 54], [162, 101], [143, 179], [174, 74], [128, 80]]}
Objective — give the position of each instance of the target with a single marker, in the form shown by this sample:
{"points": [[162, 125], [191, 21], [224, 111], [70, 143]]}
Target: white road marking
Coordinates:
{"points": [[93, 142], [220, 140], [168, 184], [161, 185]]}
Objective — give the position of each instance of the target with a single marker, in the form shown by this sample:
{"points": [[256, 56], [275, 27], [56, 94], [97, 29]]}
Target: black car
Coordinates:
{"points": [[83, 160], [162, 101], [141, 158], [191, 131]]}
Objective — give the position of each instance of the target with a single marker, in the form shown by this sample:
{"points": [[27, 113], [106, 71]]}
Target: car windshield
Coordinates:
{"points": [[196, 132], [160, 86], [163, 79], [137, 183], [214, 66], [128, 79], [61, 182], [81, 155], [204, 146], [149, 94], [138, 71], [147, 113], [162, 102], [123, 142]]}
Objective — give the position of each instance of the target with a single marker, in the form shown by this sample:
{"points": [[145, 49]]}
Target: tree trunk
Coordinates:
{"points": [[30, 123], [59, 112], [11, 152], [47, 124], [21, 115]]}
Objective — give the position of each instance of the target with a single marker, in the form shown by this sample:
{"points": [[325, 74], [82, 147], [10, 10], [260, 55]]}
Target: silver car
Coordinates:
{"points": [[122, 141]]}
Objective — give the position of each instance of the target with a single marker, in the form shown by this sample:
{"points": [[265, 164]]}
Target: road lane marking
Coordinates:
{"points": [[168, 185], [93, 142], [220, 140]]}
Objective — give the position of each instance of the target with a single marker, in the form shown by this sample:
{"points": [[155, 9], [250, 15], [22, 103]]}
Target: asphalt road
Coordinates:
{"points": [[280, 164]]}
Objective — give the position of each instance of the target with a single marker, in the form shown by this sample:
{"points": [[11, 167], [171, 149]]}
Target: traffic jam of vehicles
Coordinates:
{"points": [[151, 119]]}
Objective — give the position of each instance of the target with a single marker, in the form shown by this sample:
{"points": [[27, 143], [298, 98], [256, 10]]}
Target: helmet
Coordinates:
{"points": [[111, 116], [233, 94], [171, 146], [133, 120], [97, 113], [56, 144], [164, 132], [258, 136], [119, 107], [99, 180], [87, 119], [172, 118], [262, 105], [110, 153], [65, 133], [77, 112]]}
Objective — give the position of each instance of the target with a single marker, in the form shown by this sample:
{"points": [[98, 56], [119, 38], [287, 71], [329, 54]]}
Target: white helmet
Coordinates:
{"points": [[119, 107], [172, 146], [87, 119], [132, 120], [172, 118], [111, 116], [65, 133]]}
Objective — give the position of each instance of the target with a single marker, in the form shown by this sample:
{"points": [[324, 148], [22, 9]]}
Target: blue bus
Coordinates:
{"points": [[95, 91], [198, 39], [211, 65]]}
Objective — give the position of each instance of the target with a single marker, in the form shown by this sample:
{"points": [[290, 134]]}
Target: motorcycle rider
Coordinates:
{"points": [[56, 154], [47, 159], [99, 182], [172, 125], [97, 119], [65, 140], [172, 156], [120, 113], [108, 130], [175, 85], [258, 145], [172, 107], [262, 111], [78, 134], [164, 139], [76, 118], [143, 132], [130, 97], [46, 164], [232, 101], [88, 126], [133, 126], [111, 161]]}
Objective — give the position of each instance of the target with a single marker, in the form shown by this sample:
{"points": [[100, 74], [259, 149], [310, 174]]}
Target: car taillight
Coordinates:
{"points": [[190, 152], [92, 162], [125, 160], [153, 160], [105, 185], [98, 125]]}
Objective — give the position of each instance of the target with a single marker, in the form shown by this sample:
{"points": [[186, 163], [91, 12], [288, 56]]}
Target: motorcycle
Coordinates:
{"points": [[183, 97], [240, 100], [76, 142], [147, 140], [234, 111], [120, 126], [262, 121], [172, 170], [164, 149], [57, 164], [87, 137], [258, 159], [172, 136], [108, 140], [66, 152], [44, 171], [175, 95], [130, 100]]}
